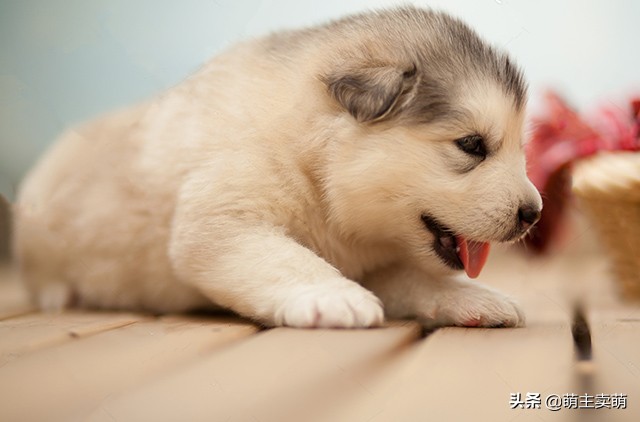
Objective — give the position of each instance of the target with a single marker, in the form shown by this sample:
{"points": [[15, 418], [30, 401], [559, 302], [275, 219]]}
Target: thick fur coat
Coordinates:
{"points": [[307, 178]]}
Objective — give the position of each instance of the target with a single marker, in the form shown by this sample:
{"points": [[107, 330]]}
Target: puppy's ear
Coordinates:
{"points": [[370, 93]]}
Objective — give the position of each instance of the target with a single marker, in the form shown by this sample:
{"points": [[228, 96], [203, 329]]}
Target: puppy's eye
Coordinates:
{"points": [[472, 145]]}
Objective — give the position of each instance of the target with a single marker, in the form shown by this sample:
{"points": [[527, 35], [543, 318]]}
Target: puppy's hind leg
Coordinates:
{"points": [[55, 297], [50, 295]]}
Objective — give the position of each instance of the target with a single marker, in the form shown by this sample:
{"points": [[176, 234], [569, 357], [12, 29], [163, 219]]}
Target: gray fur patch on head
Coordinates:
{"points": [[448, 56]]}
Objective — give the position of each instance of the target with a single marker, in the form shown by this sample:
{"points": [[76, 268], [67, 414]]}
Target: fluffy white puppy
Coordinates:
{"points": [[306, 179]]}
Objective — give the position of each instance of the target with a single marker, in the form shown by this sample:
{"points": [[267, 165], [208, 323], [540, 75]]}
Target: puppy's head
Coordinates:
{"points": [[428, 151]]}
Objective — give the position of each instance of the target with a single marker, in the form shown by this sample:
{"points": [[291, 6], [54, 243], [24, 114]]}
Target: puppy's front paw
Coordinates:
{"points": [[469, 305], [331, 306]]}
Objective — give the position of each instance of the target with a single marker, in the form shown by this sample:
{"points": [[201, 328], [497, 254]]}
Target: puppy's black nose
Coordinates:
{"points": [[528, 216]]}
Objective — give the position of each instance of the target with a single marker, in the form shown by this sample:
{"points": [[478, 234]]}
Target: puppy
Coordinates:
{"points": [[304, 179]]}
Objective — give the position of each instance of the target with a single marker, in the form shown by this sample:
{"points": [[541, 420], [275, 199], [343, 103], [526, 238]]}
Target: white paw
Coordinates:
{"points": [[472, 305], [331, 306]]}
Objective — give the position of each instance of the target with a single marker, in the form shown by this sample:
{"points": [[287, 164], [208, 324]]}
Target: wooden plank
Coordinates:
{"points": [[28, 333], [280, 375], [68, 381], [469, 374]]}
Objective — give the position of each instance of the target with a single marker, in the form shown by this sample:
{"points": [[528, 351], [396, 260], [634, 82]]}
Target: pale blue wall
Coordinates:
{"points": [[62, 61]]}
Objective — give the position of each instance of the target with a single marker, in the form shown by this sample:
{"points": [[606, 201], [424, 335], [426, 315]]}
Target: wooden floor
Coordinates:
{"points": [[90, 366]]}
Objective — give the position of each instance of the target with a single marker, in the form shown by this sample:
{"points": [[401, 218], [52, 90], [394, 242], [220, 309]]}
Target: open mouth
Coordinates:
{"points": [[456, 251]]}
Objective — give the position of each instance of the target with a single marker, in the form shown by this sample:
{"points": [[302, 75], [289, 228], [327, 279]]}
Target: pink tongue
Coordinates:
{"points": [[473, 255]]}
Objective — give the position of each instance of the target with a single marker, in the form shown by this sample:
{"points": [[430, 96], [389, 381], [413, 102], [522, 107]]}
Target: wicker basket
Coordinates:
{"points": [[608, 188]]}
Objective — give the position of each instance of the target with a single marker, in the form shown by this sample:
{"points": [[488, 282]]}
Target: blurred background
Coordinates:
{"points": [[64, 61]]}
